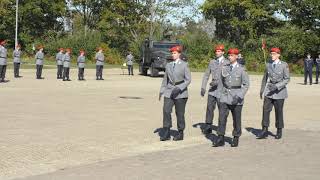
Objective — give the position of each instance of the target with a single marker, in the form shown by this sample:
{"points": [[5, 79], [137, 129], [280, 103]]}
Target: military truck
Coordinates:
{"points": [[154, 55]]}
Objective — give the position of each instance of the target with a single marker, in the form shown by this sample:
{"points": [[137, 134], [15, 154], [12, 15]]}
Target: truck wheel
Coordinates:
{"points": [[143, 71], [153, 71]]}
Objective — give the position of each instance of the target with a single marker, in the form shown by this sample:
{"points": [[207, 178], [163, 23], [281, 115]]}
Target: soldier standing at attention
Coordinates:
{"points": [[99, 63], [308, 65], [129, 60], [3, 61], [66, 65], [317, 68], [59, 59], [273, 87], [174, 88], [81, 64], [214, 93], [235, 82], [39, 61], [16, 61]]}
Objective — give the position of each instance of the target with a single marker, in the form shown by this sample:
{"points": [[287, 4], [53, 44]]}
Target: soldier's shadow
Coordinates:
{"points": [[212, 137], [160, 132], [256, 132]]}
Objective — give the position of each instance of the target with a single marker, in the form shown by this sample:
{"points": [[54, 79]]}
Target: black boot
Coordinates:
{"points": [[235, 141], [263, 134], [207, 129], [279, 133], [219, 141], [179, 137], [166, 134]]}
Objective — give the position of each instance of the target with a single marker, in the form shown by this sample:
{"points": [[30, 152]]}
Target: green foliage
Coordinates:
{"points": [[76, 41]]}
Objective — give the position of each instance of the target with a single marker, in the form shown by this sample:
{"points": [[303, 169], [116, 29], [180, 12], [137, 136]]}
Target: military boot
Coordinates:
{"points": [[207, 129], [235, 141], [279, 133], [219, 141], [263, 134], [166, 134], [179, 137]]}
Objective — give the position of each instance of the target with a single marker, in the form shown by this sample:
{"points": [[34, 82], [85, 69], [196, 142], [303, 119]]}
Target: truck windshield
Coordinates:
{"points": [[164, 46]]}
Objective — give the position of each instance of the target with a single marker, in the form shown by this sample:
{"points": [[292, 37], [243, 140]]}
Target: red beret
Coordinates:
{"points": [[68, 49], [276, 50], [40, 46], [81, 51], [176, 48], [99, 48], [219, 47], [61, 49], [2, 41], [233, 51]]}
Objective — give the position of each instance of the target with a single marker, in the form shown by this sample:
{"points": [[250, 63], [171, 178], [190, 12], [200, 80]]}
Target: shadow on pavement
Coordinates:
{"points": [[256, 132]]}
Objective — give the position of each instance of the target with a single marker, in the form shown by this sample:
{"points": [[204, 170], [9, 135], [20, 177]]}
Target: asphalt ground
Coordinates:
{"points": [[50, 129]]}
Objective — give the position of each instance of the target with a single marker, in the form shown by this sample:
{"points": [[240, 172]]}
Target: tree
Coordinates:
{"points": [[238, 21]]}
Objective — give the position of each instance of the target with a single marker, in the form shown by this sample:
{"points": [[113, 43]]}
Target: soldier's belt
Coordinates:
{"points": [[3, 57], [100, 60], [273, 82], [177, 83], [233, 87]]}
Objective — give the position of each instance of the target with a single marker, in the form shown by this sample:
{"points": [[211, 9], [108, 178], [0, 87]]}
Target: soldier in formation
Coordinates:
{"points": [[308, 65], [99, 57], [274, 92], [81, 65], [235, 84], [213, 69], [3, 61], [129, 62], [174, 88], [317, 68], [66, 65], [39, 62], [16, 61], [59, 59]]}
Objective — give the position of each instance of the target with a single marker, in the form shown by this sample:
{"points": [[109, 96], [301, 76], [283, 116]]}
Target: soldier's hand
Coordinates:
{"points": [[272, 87], [235, 100], [175, 92], [214, 83], [160, 95], [203, 92]]}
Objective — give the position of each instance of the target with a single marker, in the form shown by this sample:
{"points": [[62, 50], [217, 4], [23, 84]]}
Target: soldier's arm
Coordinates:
{"points": [[187, 78], [205, 78], [264, 80], [245, 84], [164, 82], [286, 78]]}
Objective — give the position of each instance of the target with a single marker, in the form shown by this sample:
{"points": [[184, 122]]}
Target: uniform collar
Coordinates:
{"points": [[176, 61], [234, 65], [220, 59], [276, 61]]}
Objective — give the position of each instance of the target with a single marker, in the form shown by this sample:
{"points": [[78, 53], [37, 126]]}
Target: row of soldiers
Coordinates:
{"points": [[308, 68], [228, 87], [63, 59]]}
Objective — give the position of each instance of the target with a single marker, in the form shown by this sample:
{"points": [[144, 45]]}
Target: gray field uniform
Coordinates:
{"points": [[277, 74], [235, 84], [214, 93], [99, 57], [3, 63], [39, 63], [81, 65]]}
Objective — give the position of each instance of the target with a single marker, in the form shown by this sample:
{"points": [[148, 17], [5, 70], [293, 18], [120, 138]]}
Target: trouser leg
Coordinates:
{"points": [[167, 110], [211, 106], [236, 116], [223, 115], [180, 106], [267, 108], [278, 107]]}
